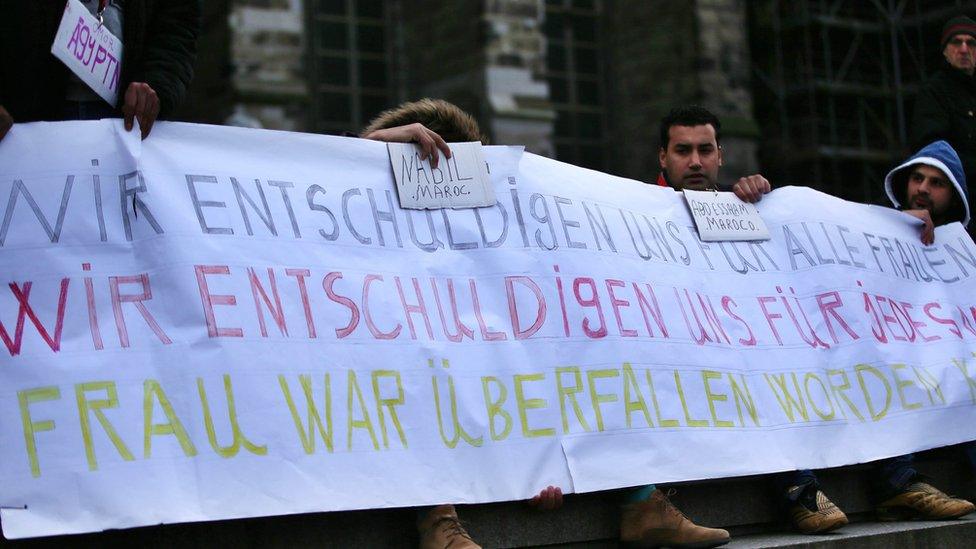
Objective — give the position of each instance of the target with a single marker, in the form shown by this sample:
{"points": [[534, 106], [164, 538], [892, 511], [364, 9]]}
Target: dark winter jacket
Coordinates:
{"points": [[939, 155], [159, 37], [946, 109]]}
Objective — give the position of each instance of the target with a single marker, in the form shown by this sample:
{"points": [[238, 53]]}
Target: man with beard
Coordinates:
{"points": [[931, 186]]}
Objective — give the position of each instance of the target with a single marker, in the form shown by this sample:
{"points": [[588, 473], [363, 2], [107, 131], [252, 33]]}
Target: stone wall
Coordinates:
{"points": [[267, 56], [489, 58], [659, 56], [443, 53], [724, 73], [486, 58], [210, 95], [517, 94], [648, 50]]}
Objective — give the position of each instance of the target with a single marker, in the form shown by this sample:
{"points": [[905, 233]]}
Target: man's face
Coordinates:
{"points": [[930, 189], [692, 158], [960, 52]]}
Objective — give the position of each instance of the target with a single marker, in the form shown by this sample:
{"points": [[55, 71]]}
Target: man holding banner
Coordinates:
{"points": [[144, 78], [690, 157], [930, 185], [431, 124]]}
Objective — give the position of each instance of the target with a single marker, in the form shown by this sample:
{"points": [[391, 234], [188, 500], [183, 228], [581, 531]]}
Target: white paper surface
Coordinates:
{"points": [[461, 181], [91, 52], [724, 217], [262, 331]]}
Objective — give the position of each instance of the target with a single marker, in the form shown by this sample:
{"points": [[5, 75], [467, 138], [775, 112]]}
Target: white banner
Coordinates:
{"points": [[218, 323]]}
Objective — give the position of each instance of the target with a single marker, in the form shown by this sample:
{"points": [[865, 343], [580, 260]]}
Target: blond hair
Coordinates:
{"points": [[443, 117]]}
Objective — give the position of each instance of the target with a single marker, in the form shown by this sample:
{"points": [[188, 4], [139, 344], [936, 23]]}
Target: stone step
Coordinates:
{"points": [[747, 506], [743, 505], [874, 535], [959, 534], [721, 503]]}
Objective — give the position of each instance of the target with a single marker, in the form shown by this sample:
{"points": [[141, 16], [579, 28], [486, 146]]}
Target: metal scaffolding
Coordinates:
{"points": [[834, 86]]}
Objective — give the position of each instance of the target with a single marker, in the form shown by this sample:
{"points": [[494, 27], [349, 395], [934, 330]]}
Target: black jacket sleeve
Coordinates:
{"points": [[169, 50], [932, 120]]}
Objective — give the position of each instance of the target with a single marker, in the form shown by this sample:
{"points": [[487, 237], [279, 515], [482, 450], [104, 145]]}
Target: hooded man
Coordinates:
{"points": [[931, 185]]}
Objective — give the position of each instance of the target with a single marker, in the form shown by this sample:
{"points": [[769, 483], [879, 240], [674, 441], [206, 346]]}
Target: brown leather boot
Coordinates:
{"points": [[812, 512], [441, 529], [657, 523], [923, 501]]}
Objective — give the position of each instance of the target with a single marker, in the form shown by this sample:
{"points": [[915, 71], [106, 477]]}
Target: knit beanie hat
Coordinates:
{"points": [[957, 25]]}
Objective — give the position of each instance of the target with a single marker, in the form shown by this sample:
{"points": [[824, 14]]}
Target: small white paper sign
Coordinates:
{"points": [[91, 52], [461, 181], [722, 216]]}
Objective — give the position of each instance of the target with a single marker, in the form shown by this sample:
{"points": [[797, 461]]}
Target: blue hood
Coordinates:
{"points": [[939, 155]]}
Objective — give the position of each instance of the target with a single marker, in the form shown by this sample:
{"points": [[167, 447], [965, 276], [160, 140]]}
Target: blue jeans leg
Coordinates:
{"points": [[970, 449], [893, 475], [639, 494], [788, 479]]}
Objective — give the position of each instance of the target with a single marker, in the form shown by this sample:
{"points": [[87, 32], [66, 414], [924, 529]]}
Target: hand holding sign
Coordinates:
{"points": [[428, 140], [725, 216], [462, 181]]}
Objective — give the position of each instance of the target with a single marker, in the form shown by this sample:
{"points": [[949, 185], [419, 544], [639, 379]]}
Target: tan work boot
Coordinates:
{"points": [[441, 529], [812, 512], [657, 523], [923, 501]]}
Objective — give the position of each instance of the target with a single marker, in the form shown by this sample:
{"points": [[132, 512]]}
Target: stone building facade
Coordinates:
{"points": [[584, 81], [663, 55]]}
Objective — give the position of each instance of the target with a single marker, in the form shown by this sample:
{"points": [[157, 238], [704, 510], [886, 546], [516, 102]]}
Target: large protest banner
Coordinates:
{"points": [[218, 323]]}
